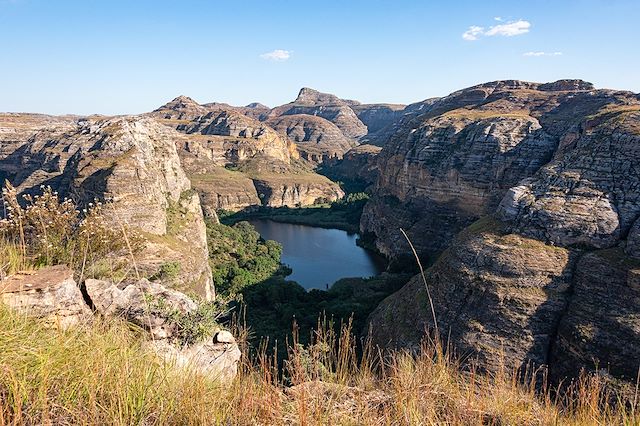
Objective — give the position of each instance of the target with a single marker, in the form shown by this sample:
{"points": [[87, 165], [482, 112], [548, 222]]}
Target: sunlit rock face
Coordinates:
{"points": [[548, 275], [131, 163]]}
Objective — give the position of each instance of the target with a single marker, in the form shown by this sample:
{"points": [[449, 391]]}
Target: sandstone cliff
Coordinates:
{"points": [[132, 164], [317, 139], [548, 276]]}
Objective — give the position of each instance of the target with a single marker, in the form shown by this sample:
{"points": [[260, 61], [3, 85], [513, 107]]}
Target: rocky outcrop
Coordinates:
{"points": [[245, 137], [378, 116], [453, 164], [50, 294], [254, 110], [601, 328], [297, 192], [317, 139], [359, 164], [588, 194], [140, 303], [215, 358], [382, 135], [132, 164], [547, 277], [498, 299], [180, 109], [329, 107], [154, 308], [235, 162]]}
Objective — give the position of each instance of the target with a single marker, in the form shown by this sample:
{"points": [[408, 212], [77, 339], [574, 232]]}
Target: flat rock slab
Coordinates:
{"points": [[36, 280], [50, 293]]}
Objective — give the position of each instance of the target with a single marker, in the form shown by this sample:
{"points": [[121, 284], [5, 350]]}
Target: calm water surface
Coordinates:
{"points": [[319, 257]]}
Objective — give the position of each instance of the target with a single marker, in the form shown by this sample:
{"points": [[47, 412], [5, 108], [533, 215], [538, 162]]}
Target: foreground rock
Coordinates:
{"points": [[217, 359], [155, 308], [50, 294]]}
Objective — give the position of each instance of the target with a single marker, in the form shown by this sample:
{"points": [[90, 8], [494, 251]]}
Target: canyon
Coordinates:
{"points": [[522, 198]]}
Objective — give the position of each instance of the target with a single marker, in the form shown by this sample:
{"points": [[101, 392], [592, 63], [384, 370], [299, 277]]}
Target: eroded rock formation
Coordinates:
{"points": [[548, 276]]}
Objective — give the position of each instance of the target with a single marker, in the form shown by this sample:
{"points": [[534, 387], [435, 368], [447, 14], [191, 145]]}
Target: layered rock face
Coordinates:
{"points": [[498, 298], [453, 164], [548, 276], [329, 107], [235, 161], [359, 164], [132, 164], [601, 328], [318, 140]]}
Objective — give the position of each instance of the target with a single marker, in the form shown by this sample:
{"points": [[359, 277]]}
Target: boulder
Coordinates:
{"points": [[140, 303], [50, 293], [152, 306], [213, 357]]}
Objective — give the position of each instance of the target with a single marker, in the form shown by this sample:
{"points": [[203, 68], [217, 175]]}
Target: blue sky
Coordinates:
{"points": [[116, 57]]}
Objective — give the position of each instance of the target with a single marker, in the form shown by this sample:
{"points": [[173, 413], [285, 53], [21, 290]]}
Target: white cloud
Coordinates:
{"points": [[536, 54], [277, 55], [509, 29], [498, 18], [473, 33]]}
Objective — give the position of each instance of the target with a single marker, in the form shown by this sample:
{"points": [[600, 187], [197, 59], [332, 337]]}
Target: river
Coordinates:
{"points": [[318, 256]]}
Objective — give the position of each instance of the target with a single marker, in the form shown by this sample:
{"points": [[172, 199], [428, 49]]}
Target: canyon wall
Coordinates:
{"points": [[526, 198]]}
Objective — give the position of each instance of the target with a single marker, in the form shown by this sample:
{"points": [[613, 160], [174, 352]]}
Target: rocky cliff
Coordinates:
{"points": [[548, 275], [236, 162], [132, 164], [317, 139]]}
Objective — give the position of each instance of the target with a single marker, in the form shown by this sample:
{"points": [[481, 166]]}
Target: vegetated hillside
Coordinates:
{"points": [[550, 171]]}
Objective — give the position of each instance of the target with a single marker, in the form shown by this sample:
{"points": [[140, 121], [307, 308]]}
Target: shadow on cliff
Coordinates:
{"points": [[544, 323]]}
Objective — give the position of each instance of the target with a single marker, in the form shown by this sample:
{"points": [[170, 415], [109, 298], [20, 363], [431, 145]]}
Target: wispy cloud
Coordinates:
{"points": [[278, 55], [536, 54], [473, 33], [508, 29]]}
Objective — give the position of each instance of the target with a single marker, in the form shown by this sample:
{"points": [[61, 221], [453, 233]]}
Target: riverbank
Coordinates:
{"points": [[342, 214]]}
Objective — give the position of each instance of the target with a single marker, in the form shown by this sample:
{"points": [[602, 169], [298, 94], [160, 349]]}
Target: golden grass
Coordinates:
{"points": [[12, 259], [98, 374]]}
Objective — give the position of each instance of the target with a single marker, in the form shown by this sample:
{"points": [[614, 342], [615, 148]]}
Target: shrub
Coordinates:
{"points": [[50, 231], [167, 271]]}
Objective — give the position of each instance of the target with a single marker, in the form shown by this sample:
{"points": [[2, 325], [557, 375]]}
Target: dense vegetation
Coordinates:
{"points": [[341, 214], [239, 257], [274, 305]]}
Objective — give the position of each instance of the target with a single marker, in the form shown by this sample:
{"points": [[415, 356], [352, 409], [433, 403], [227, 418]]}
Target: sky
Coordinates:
{"points": [[126, 57]]}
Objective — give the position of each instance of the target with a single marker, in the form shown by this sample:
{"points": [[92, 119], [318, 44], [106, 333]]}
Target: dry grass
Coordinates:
{"points": [[98, 374]]}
